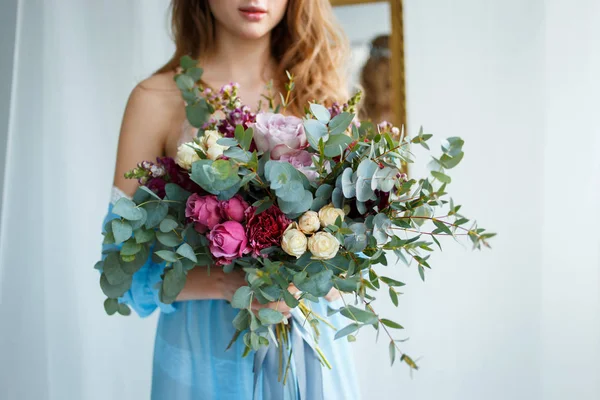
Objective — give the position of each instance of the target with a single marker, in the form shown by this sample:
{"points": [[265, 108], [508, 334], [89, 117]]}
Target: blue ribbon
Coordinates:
{"points": [[308, 382]]}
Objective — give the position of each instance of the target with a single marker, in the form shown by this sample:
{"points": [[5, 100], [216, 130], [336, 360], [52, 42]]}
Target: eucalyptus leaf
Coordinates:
{"points": [[335, 145], [121, 230], [391, 324], [168, 224], [345, 331], [321, 113], [166, 255], [349, 179], [111, 306], [127, 209], [242, 297], [156, 211], [185, 250], [130, 248], [270, 316], [340, 123], [112, 269], [198, 113], [144, 235], [357, 314], [173, 282], [169, 239], [315, 130], [318, 284], [117, 290]]}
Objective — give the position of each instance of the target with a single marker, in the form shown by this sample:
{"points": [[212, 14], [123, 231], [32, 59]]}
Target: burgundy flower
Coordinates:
{"points": [[265, 229], [157, 185], [178, 175]]}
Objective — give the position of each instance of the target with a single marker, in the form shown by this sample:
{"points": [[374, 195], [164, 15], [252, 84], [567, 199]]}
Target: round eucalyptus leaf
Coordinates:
{"points": [[113, 270], [117, 290], [121, 230], [269, 316], [349, 178], [127, 209]]}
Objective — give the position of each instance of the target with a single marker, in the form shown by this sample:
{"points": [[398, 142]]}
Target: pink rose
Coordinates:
{"points": [[302, 161], [278, 134], [228, 241], [204, 210], [234, 208]]}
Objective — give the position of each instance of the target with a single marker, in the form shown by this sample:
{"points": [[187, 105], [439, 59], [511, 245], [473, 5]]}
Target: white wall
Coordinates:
{"points": [[570, 320], [76, 64], [474, 69], [8, 29]]}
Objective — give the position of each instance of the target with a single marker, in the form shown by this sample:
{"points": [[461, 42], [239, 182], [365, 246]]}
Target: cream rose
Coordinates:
{"points": [[309, 222], [209, 144], [329, 214], [323, 246], [293, 241], [186, 155]]}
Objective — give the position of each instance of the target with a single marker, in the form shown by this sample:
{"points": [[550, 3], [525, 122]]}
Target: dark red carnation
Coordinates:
{"points": [[157, 185], [265, 229]]}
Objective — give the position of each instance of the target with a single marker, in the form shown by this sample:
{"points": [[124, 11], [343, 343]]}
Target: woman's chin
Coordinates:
{"points": [[250, 32]]}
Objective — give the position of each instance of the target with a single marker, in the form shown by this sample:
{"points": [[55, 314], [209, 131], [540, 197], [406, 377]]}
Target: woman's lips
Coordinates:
{"points": [[253, 14]]}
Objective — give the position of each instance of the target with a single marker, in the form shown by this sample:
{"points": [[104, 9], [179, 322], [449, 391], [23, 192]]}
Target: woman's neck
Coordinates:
{"points": [[248, 62]]}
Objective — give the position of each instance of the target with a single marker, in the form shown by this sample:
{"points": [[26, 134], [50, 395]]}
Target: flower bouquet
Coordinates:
{"points": [[315, 202]]}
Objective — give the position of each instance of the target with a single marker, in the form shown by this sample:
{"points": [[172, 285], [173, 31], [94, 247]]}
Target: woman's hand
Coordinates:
{"points": [[333, 295], [232, 281]]}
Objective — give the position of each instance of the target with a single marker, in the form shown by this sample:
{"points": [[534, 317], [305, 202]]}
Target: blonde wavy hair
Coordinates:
{"points": [[307, 42]]}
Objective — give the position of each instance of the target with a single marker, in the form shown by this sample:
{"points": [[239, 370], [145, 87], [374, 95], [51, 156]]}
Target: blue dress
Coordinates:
{"points": [[191, 361]]}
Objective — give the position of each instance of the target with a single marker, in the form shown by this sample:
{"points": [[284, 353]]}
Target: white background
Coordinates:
{"points": [[516, 79]]}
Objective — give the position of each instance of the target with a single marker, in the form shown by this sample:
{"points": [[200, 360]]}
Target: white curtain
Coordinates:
{"points": [[517, 80], [75, 63]]}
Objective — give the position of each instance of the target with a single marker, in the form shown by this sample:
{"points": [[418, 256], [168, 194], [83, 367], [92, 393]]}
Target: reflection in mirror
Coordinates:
{"points": [[370, 59]]}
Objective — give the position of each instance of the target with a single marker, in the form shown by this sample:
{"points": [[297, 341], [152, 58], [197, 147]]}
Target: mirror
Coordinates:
{"points": [[375, 31]]}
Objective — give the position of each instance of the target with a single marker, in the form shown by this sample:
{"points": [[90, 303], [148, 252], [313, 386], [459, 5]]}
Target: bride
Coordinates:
{"points": [[250, 42]]}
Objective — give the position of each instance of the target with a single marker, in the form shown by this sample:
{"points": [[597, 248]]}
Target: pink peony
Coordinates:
{"points": [[228, 241], [234, 208], [278, 134], [302, 161], [204, 211]]}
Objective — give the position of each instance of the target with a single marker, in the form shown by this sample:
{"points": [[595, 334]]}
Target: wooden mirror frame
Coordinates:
{"points": [[397, 60]]}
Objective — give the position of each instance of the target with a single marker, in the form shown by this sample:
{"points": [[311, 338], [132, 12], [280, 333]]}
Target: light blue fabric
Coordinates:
{"points": [[190, 361]]}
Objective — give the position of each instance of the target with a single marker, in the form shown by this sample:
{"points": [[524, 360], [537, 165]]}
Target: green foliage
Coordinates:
{"points": [[388, 215]]}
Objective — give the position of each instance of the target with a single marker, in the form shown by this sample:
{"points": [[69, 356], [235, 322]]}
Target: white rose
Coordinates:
{"points": [[323, 246], [309, 222], [293, 241], [209, 144], [186, 155], [329, 214]]}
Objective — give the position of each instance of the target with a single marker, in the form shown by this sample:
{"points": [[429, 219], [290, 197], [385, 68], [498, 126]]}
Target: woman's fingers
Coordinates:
{"points": [[333, 295]]}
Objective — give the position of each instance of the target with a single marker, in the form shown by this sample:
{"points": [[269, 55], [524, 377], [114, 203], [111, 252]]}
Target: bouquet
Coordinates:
{"points": [[316, 202]]}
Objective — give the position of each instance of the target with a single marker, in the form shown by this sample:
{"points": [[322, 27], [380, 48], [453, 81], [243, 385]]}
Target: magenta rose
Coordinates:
{"points": [[228, 241], [302, 161], [265, 229], [234, 209], [204, 211], [278, 134]]}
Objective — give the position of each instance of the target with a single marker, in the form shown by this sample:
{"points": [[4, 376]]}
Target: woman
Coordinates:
{"points": [[250, 42]]}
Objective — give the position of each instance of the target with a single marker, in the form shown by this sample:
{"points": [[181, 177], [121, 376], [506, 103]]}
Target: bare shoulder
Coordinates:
{"points": [[157, 96]]}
